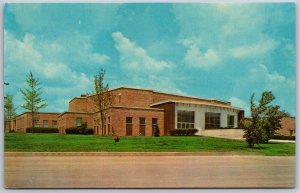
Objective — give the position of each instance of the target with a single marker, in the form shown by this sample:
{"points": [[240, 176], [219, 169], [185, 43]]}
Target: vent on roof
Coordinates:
{"points": [[83, 95]]}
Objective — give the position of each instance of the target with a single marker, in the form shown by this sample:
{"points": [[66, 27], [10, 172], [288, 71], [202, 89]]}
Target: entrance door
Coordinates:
{"points": [[128, 126]]}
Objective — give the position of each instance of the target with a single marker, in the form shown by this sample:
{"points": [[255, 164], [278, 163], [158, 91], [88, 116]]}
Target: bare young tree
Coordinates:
{"points": [[32, 96], [102, 98]]}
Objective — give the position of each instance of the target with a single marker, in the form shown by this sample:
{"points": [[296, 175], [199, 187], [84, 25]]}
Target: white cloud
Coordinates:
{"points": [[260, 79], [202, 60], [134, 57], [253, 50], [236, 102], [272, 80], [58, 79]]}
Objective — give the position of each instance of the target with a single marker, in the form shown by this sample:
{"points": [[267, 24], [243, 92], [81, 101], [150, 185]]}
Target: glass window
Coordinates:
{"points": [[45, 123], [36, 123], [154, 123], [78, 121], [54, 124], [230, 120], [142, 126], [212, 120], [185, 119]]}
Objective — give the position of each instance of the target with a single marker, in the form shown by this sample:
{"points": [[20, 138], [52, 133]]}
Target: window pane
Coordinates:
{"points": [[45, 123], [178, 125], [54, 124], [129, 120], [142, 120], [78, 121], [154, 121]]}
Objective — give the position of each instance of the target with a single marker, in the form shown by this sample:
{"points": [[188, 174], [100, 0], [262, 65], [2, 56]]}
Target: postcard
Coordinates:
{"points": [[149, 95]]}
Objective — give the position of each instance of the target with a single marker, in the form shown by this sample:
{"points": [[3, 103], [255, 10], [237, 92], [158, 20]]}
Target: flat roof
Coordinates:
{"points": [[155, 91], [37, 113], [160, 92], [74, 112], [137, 108], [196, 103]]}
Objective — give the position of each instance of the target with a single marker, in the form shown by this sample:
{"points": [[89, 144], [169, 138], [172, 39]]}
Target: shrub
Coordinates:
{"points": [[117, 139], [284, 137], [178, 132], [41, 130], [80, 130], [156, 131]]}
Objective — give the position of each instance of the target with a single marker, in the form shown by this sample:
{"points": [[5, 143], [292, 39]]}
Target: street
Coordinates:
{"points": [[147, 170]]}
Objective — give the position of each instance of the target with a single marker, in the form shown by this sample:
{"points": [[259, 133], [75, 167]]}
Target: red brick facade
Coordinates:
{"points": [[23, 121], [288, 126], [132, 113]]}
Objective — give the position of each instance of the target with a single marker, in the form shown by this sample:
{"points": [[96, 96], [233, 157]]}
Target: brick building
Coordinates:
{"points": [[42, 120], [288, 126], [137, 111]]}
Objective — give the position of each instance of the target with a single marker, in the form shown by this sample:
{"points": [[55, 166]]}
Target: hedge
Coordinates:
{"points": [[177, 132], [41, 130], [284, 137], [80, 130]]}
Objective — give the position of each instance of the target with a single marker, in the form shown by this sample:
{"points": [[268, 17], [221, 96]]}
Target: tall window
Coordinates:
{"points": [[185, 119], [154, 123], [128, 126], [78, 121], [36, 123], [54, 124], [45, 123], [230, 121], [212, 120], [108, 125], [142, 126]]}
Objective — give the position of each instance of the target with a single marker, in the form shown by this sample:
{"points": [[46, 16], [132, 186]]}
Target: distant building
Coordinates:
{"points": [[288, 126], [137, 111]]}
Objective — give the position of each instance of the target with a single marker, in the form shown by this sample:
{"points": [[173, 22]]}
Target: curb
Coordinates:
{"points": [[58, 154]]}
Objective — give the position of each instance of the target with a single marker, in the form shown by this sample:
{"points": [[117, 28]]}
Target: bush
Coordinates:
{"points": [[178, 132], [156, 131], [41, 130], [284, 137], [80, 130]]}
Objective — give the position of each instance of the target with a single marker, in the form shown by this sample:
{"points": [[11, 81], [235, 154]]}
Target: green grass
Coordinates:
{"points": [[26, 142]]}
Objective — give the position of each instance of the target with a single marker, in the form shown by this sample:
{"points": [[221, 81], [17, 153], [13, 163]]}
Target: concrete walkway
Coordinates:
{"points": [[147, 170]]}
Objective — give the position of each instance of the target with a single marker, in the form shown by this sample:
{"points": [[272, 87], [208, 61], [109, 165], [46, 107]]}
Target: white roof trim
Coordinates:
{"points": [[197, 103]]}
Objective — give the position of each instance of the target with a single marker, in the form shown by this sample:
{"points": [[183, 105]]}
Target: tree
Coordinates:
{"points": [[9, 109], [103, 99], [265, 120], [32, 96]]}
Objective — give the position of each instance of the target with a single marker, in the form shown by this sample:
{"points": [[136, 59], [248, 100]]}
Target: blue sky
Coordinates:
{"points": [[222, 51]]}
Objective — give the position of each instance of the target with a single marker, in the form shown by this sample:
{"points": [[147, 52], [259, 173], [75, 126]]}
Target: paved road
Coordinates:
{"points": [[147, 171]]}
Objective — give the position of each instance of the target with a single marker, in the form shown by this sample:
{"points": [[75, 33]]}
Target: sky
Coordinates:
{"points": [[221, 51]]}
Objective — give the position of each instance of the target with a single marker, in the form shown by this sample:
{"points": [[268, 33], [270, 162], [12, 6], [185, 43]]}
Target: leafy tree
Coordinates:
{"points": [[9, 109], [32, 96], [102, 98], [265, 120]]}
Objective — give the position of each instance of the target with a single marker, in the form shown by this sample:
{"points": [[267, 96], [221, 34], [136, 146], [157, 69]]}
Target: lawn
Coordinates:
{"points": [[26, 142]]}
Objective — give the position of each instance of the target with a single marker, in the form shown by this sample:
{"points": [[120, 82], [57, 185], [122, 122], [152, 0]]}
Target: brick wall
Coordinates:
{"points": [[67, 120], [23, 121], [78, 104], [169, 116], [118, 120], [130, 97], [288, 126]]}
